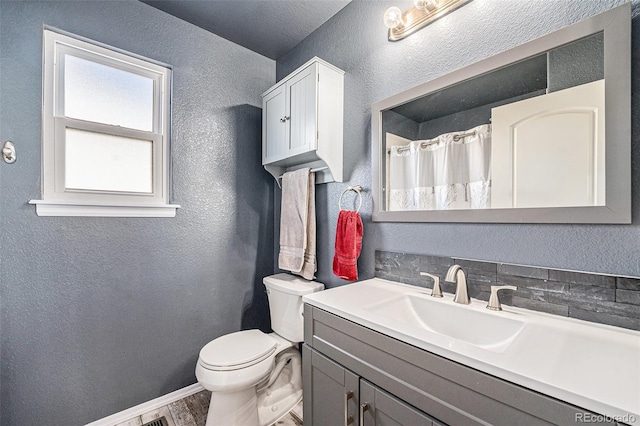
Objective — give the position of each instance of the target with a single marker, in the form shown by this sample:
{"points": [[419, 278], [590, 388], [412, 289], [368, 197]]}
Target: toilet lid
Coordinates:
{"points": [[237, 350]]}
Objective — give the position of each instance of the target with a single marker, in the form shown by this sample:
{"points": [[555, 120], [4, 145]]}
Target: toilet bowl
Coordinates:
{"points": [[254, 377]]}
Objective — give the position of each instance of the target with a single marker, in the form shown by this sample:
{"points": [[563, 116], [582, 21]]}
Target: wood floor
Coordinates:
{"points": [[192, 411]]}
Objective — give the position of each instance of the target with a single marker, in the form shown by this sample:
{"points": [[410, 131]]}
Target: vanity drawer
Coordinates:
{"points": [[451, 392]]}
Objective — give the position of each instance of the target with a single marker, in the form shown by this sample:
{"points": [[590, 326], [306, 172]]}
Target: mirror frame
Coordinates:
{"points": [[616, 26]]}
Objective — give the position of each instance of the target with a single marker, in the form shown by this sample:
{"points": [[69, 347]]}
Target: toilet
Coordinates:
{"points": [[254, 377]]}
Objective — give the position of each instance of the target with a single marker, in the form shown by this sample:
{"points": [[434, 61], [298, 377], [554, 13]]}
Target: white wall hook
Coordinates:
{"points": [[8, 152]]}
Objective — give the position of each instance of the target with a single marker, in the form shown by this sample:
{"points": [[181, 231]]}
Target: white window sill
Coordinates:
{"points": [[56, 208]]}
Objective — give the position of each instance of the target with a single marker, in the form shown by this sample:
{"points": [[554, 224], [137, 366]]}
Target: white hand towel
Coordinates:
{"points": [[298, 224]]}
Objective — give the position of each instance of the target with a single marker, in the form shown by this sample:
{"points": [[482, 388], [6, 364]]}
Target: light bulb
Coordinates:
{"points": [[393, 18], [426, 4]]}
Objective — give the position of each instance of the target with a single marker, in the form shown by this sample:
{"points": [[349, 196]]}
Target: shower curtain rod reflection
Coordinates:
{"points": [[456, 138]]}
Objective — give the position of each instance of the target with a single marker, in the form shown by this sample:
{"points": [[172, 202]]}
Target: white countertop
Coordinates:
{"points": [[593, 366]]}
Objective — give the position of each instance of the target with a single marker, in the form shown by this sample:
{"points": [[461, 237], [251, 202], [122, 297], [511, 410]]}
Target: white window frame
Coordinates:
{"points": [[61, 201]]}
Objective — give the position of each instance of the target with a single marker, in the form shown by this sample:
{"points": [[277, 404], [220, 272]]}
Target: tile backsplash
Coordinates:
{"points": [[604, 299]]}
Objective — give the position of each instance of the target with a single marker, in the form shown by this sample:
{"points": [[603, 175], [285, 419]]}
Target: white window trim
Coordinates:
{"points": [[59, 201]]}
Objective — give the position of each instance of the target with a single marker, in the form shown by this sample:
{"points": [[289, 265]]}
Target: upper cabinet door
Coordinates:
{"points": [[301, 92], [289, 117], [275, 126]]}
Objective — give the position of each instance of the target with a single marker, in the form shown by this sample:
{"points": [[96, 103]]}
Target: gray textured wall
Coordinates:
{"points": [[101, 314], [356, 41]]}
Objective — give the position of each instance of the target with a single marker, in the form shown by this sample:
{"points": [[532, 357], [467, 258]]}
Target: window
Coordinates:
{"points": [[105, 132]]}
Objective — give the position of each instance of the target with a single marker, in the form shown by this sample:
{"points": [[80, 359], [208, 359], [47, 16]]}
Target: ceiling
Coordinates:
{"points": [[269, 27]]}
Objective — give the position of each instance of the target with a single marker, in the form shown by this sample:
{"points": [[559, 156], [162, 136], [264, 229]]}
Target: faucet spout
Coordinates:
{"points": [[456, 274]]}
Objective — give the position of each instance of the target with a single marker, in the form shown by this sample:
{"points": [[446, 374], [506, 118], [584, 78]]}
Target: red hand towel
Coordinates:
{"points": [[348, 245]]}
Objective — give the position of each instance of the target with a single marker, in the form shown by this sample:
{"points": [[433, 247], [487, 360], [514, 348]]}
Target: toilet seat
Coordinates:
{"points": [[237, 350]]}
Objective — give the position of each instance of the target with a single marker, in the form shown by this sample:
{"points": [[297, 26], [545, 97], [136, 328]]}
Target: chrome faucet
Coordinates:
{"points": [[456, 274]]}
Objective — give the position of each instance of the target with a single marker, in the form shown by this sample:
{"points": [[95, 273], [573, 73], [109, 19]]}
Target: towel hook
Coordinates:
{"points": [[356, 189], [8, 152]]}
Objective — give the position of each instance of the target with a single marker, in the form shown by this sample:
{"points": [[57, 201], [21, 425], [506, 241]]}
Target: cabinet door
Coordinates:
{"points": [[378, 408], [330, 391], [301, 93], [275, 144]]}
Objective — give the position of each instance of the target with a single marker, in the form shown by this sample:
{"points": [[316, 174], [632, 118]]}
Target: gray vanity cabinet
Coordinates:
{"points": [[379, 408], [406, 385], [335, 391], [337, 396]]}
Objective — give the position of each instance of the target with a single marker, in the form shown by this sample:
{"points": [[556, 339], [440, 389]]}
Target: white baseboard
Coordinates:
{"points": [[145, 407]]}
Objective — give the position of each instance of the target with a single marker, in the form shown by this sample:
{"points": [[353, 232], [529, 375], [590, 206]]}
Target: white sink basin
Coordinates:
{"points": [[487, 329], [593, 366]]}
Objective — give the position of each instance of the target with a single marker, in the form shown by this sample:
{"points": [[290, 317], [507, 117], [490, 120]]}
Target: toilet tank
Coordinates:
{"points": [[285, 293]]}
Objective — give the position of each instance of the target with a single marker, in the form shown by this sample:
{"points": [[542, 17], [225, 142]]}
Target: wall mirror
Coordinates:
{"points": [[540, 133]]}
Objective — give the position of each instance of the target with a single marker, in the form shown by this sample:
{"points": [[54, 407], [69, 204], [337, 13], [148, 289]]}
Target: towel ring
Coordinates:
{"points": [[355, 189]]}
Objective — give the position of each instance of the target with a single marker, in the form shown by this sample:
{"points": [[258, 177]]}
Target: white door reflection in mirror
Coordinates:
{"points": [[549, 151], [391, 140]]}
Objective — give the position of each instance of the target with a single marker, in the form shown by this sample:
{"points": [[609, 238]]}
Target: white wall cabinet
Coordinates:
{"points": [[302, 122]]}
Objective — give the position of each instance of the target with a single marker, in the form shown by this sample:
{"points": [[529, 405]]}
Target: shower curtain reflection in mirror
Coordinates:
{"points": [[451, 171]]}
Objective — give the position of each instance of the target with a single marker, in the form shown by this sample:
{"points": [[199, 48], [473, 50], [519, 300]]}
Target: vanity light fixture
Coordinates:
{"points": [[423, 12]]}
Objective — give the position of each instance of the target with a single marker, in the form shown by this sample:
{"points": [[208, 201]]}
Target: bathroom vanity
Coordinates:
{"points": [[378, 352]]}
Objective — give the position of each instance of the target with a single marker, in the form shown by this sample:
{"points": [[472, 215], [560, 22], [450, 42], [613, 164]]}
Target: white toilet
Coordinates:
{"points": [[255, 378]]}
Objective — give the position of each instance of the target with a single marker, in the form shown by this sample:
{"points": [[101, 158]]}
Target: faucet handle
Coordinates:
{"points": [[436, 284], [494, 300]]}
